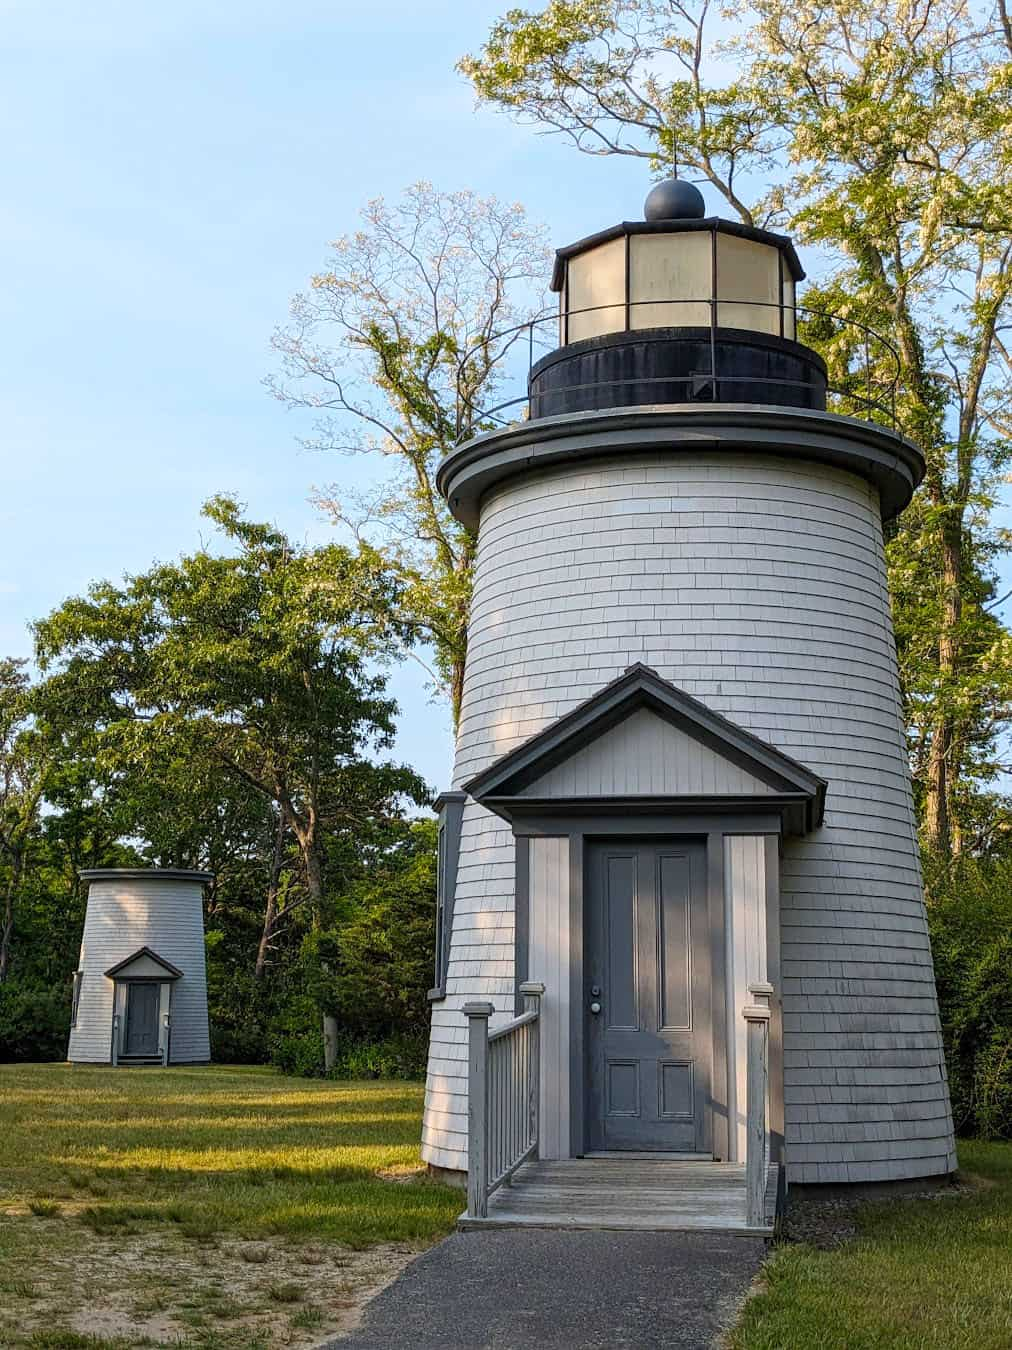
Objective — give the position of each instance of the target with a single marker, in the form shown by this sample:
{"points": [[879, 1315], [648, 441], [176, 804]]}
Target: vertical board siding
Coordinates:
{"points": [[745, 901], [548, 961], [756, 584], [122, 916], [644, 754]]}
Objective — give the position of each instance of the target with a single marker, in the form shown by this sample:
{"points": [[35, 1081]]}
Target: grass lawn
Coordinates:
{"points": [[225, 1209], [933, 1274]]}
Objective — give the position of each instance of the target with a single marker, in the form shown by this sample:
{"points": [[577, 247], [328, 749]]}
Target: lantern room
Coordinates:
{"points": [[677, 308]]}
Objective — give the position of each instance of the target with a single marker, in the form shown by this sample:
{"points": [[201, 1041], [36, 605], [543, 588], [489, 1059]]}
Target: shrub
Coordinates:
{"points": [[298, 1052], [399, 1056], [245, 1043], [970, 916], [34, 1021]]}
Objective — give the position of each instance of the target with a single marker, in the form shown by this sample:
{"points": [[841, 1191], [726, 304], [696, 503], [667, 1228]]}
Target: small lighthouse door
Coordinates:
{"points": [[141, 1035], [647, 997]]}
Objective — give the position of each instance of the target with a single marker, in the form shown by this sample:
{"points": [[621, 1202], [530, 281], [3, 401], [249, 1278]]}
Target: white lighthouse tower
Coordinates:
{"points": [[681, 780]]}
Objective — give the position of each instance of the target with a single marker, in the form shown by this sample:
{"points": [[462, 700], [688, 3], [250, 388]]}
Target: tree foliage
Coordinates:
{"points": [[25, 761], [970, 915], [878, 130]]}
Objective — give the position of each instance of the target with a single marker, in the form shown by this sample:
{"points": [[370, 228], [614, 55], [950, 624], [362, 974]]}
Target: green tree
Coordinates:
{"points": [[25, 761], [970, 916], [384, 946], [257, 661], [882, 130], [399, 346]]}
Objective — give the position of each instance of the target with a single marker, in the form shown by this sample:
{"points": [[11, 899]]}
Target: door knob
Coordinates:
{"points": [[595, 1007]]}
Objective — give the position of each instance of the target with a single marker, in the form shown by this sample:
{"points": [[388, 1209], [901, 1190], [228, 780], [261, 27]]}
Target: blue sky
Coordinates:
{"points": [[171, 174]]}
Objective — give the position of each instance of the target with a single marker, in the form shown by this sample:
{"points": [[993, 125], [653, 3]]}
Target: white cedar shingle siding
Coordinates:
{"points": [[644, 754], [123, 916], [757, 585]]}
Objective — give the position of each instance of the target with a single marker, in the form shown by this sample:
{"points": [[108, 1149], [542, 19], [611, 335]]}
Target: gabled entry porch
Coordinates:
{"points": [[645, 1089]]}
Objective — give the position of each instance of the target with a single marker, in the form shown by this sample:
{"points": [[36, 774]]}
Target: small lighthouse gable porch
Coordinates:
{"points": [[142, 1008], [647, 833]]}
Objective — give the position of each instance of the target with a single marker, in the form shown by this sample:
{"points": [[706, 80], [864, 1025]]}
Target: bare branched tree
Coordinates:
{"points": [[401, 346]]}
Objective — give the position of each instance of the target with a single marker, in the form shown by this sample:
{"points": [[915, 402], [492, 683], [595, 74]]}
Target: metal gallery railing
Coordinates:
{"points": [[503, 1096], [866, 389]]}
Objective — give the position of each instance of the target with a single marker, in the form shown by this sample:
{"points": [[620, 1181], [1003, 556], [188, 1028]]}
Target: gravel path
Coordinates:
{"points": [[542, 1290]]}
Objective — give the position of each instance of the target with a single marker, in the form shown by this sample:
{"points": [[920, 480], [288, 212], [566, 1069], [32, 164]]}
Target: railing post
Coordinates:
{"points": [[166, 1033], [477, 1015], [532, 992], [757, 1016], [114, 1056]]}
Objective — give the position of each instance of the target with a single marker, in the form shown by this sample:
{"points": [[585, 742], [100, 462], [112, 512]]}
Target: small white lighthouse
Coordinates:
{"points": [[681, 778], [140, 991]]}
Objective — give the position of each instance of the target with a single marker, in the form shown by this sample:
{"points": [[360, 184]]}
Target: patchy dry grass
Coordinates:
{"points": [[225, 1209], [928, 1274]]}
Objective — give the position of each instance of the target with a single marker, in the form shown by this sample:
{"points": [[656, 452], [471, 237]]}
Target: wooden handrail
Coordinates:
{"points": [[503, 1114], [757, 1153]]}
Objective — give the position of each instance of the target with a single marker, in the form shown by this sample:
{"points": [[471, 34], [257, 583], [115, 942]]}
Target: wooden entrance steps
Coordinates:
{"points": [[632, 1193]]}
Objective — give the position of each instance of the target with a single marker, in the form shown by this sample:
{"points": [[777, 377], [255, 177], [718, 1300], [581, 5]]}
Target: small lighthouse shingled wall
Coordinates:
{"points": [[131, 909]]}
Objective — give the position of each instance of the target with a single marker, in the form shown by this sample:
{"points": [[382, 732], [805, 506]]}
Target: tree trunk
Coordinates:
{"points": [[314, 884], [271, 915], [941, 771], [936, 798], [329, 1041], [457, 689]]}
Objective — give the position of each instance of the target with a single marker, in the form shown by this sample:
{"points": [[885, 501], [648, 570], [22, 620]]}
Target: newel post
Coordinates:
{"points": [[532, 992], [757, 1015], [477, 1015]]}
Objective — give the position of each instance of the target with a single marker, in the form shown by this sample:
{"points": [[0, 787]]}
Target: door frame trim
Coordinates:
{"points": [[120, 999], [582, 824]]}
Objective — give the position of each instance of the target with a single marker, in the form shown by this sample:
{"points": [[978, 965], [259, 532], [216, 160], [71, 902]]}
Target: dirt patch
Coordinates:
{"points": [[827, 1222], [163, 1288], [402, 1175]]}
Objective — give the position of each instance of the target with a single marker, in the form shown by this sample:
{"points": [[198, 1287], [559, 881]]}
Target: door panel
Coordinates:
{"points": [[647, 968], [143, 1002], [674, 942], [620, 896]]}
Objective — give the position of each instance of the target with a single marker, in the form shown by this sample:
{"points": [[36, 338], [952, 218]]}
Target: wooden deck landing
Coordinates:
{"points": [[632, 1193]]}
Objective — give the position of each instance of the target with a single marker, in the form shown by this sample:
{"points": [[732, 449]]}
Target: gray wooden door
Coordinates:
{"points": [[647, 968], [141, 1035]]}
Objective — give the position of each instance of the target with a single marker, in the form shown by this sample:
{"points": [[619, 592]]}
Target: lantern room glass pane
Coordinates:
{"points": [[596, 279], [670, 279], [790, 315], [748, 284]]}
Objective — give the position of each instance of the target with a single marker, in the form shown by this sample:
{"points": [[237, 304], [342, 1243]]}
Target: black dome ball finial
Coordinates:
{"points": [[674, 199]]}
